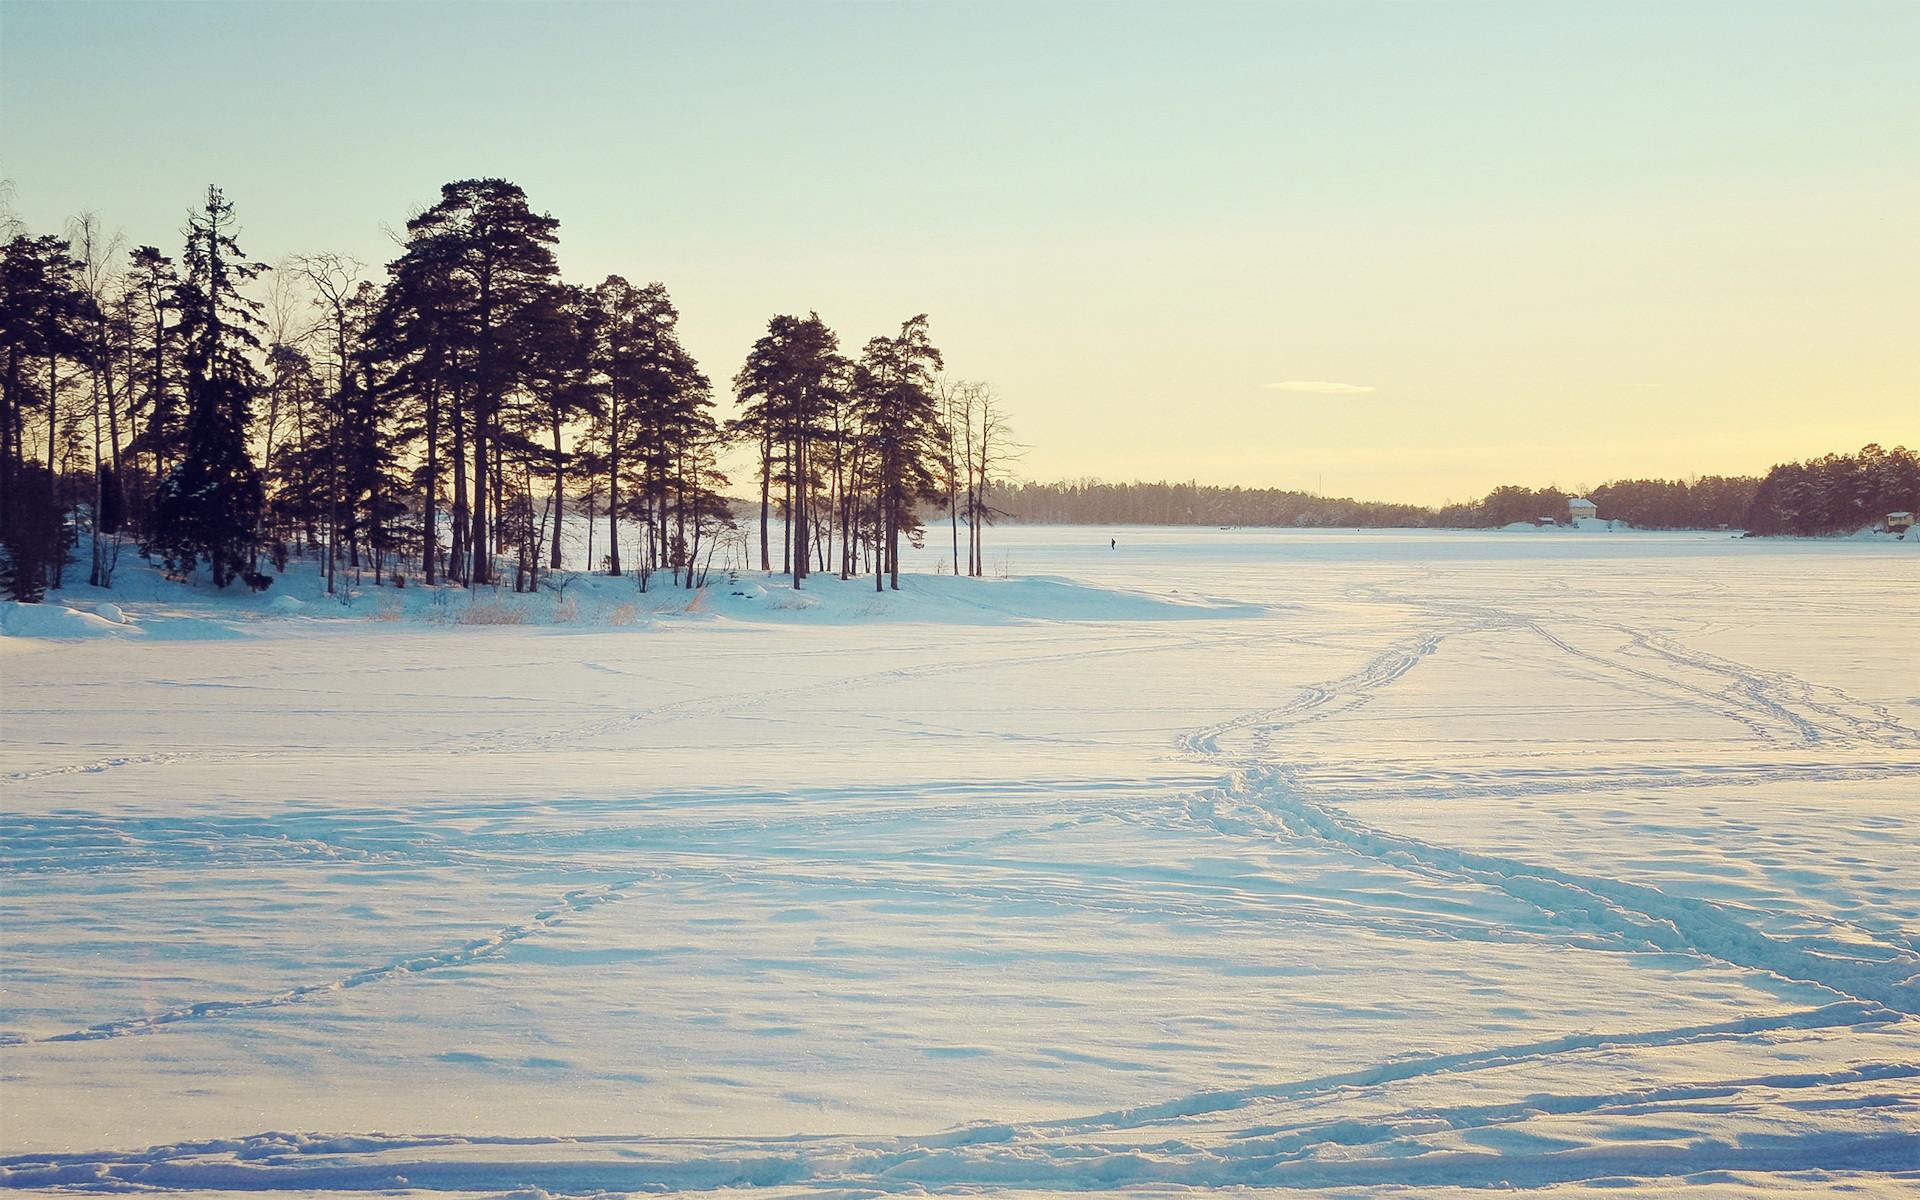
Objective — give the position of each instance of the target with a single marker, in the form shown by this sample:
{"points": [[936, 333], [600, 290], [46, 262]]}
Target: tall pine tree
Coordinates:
{"points": [[484, 259], [209, 505], [900, 421], [787, 389], [45, 316]]}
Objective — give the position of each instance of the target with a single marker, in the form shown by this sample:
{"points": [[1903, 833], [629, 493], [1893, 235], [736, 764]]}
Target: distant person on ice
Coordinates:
{"points": [[1113, 543]]}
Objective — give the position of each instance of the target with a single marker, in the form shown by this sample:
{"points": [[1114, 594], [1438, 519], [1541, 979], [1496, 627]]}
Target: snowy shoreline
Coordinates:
{"points": [[144, 604], [598, 603]]}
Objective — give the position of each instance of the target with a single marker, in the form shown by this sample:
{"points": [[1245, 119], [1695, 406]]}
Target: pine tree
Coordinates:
{"points": [[481, 258], [900, 420], [788, 389], [209, 505], [46, 318], [372, 440], [419, 332], [561, 337], [160, 434], [654, 418]]}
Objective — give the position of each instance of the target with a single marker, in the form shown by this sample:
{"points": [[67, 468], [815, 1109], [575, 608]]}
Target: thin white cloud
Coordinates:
{"points": [[1319, 387]]}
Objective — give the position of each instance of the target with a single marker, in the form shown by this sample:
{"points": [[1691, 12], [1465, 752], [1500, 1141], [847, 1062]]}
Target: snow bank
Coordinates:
{"points": [[1874, 533], [146, 604], [1577, 525], [52, 620], [950, 600]]}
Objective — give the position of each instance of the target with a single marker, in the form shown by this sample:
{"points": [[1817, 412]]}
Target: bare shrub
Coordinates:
{"points": [[492, 612]]}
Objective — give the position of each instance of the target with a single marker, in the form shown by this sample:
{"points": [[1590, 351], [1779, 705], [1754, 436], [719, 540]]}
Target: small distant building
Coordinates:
{"points": [[1579, 508], [1899, 522]]}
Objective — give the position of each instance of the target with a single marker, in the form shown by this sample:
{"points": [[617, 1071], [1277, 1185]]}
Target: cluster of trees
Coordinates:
{"points": [[1837, 493], [138, 384], [1504, 505], [852, 450], [1708, 502], [442, 418]]}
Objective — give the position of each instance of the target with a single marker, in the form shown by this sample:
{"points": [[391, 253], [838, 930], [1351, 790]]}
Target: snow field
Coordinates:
{"points": [[1419, 864]]}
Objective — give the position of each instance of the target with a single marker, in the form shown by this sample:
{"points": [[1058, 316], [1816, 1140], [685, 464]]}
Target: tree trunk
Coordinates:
{"points": [[833, 500], [953, 515], [333, 504], [53, 420], [893, 539], [973, 525], [766, 479], [499, 512], [682, 552], [10, 421], [113, 415], [797, 515], [457, 551], [590, 497], [93, 576], [429, 518], [613, 505], [479, 538], [786, 523], [57, 567], [559, 498]]}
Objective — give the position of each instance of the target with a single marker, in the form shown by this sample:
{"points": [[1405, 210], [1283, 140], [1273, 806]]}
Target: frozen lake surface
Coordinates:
{"points": [[1353, 863]]}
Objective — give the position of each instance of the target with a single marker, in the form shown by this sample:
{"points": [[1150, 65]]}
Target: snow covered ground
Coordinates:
{"points": [[1352, 863]]}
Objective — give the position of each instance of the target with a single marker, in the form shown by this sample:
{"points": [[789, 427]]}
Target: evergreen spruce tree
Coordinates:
{"points": [[158, 433], [209, 505]]}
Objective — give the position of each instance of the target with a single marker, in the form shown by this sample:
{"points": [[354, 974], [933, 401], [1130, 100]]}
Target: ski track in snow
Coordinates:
{"points": [[1066, 1155], [569, 905], [1269, 789], [98, 765], [1635, 912], [525, 739]]}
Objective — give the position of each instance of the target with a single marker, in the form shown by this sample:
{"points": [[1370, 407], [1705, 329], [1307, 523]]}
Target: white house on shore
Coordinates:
{"points": [[1579, 508]]}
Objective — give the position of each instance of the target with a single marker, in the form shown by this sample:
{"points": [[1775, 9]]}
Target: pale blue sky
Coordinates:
{"points": [[1558, 242]]}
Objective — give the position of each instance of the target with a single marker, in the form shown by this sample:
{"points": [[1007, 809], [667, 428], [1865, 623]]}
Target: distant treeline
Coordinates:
{"points": [[1837, 493]]}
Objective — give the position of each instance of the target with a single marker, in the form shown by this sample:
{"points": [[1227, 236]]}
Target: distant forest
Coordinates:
{"points": [[1838, 493]]}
